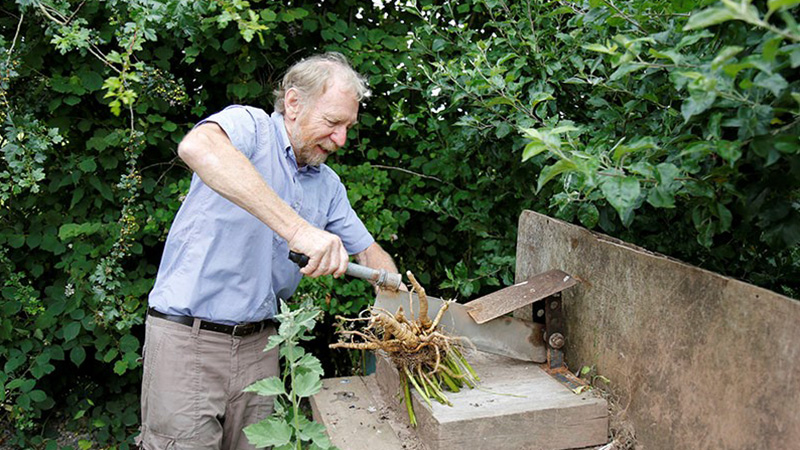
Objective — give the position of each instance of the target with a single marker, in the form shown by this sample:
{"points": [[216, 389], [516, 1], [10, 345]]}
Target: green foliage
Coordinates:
{"points": [[635, 118], [288, 428], [673, 125]]}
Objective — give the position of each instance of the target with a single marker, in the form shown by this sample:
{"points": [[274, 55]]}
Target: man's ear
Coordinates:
{"points": [[292, 104]]}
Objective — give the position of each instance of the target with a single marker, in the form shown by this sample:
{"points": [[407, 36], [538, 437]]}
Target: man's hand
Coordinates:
{"points": [[326, 254], [377, 258]]}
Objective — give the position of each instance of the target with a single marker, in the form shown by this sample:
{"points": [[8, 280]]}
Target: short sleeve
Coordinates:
{"points": [[343, 222], [240, 125]]}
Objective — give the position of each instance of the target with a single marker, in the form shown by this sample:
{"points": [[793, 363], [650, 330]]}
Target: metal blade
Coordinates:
{"points": [[522, 294], [506, 336]]}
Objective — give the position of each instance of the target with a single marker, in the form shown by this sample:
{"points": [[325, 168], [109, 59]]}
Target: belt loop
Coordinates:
{"points": [[196, 327]]}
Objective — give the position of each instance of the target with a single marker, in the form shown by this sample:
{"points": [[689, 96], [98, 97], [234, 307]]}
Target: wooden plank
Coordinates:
{"points": [[521, 294], [519, 406], [351, 416], [698, 360]]}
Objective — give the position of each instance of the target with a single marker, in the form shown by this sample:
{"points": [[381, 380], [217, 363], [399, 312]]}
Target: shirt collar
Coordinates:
{"points": [[286, 145]]}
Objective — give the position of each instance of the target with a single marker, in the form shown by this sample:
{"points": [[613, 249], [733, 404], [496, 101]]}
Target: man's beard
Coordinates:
{"points": [[306, 152]]}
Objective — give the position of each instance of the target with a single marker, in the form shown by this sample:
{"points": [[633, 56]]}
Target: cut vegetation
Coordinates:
{"points": [[426, 358]]}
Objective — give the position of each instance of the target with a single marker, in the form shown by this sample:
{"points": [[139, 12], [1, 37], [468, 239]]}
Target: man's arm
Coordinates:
{"points": [[209, 152], [377, 258]]}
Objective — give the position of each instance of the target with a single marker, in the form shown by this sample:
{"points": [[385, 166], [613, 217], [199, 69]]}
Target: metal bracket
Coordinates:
{"points": [[554, 331]]}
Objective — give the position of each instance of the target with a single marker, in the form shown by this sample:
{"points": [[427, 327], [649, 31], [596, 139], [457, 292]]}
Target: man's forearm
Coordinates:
{"points": [[377, 258]]}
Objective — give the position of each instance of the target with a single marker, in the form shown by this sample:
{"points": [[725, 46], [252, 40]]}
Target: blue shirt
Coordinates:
{"points": [[222, 264]]}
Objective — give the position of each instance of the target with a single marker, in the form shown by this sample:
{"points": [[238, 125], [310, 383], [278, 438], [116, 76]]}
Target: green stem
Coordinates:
{"points": [[449, 382], [466, 365], [293, 397], [407, 393], [423, 381], [416, 386], [440, 397]]}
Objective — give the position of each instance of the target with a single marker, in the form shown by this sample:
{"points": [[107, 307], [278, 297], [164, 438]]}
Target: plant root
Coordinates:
{"points": [[427, 359]]}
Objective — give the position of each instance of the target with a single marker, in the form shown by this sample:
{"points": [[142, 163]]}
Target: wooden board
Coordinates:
{"points": [[351, 417], [697, 360], [519, 406]]}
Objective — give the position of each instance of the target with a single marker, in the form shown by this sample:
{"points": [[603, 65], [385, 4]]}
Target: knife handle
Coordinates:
{"points": [[298, 258], [381, 277]]}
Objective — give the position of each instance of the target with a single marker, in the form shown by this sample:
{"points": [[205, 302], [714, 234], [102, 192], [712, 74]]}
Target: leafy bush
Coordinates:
{"points": [[678, 132]]}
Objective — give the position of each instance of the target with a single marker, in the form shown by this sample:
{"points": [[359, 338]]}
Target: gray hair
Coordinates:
{"points": [[311, 78]]}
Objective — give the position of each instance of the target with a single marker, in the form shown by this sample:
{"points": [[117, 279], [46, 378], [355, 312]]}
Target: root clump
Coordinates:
{"points": [[426, 358]]}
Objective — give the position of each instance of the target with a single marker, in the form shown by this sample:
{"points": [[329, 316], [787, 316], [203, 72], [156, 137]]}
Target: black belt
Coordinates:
{"points": [[238, 330]]}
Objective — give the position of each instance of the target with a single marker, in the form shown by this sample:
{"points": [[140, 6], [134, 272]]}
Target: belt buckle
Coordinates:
{"points": [[244, 329], [241, 329]]}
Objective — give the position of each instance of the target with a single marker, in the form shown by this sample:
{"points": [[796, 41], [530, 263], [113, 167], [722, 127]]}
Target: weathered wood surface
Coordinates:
{"points": [[519, 406], [701, 361], [352, 417], [521, 294]]}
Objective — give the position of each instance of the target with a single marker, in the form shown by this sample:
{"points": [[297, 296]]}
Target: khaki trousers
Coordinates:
{"points": [[192, 386]]}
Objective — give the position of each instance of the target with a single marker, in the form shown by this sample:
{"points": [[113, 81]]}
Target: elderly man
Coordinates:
{"points": [[260, 189]]}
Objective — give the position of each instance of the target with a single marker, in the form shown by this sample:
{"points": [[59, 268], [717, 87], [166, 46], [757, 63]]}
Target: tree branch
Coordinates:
{"points": [[16, 35], [407, 171]]}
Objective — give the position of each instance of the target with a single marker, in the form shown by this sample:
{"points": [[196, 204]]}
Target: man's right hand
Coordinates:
{"points": [[326, 254]]}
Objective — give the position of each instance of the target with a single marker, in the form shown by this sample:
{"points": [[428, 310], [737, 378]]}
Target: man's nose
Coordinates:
{"points": [[339, 136]]}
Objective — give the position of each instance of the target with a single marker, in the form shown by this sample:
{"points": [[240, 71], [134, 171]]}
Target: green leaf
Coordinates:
{"points": [[642, 143], [72, 230], [502, 130], [725, 54], [268, 15], [601, 48], [269, 432], [775, 83], [128, 343], [588, 215], [672, 55], [622, 193], [71, 331], [267, 387], [92, 81], [659, 197], [693, 38], [775, 5], [550, 172], [87, 165], [77, 355], [37, 395], [315, 432], [770, 48], [698, 102], [532, 149], [539, 97], [120, 367], [274, 341], [709, 17], [306, 385], [725, 217], [730, 151], [310, 363]]}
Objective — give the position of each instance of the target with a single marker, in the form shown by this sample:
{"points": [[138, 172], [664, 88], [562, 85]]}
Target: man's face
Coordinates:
{"points": [[321, 126]]}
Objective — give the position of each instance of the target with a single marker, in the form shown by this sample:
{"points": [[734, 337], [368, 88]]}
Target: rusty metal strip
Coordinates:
{"points": [[519, 295]]}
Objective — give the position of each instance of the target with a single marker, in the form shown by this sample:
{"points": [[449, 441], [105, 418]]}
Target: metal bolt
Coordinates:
{"points": [[554, 305], [556, 340]]}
